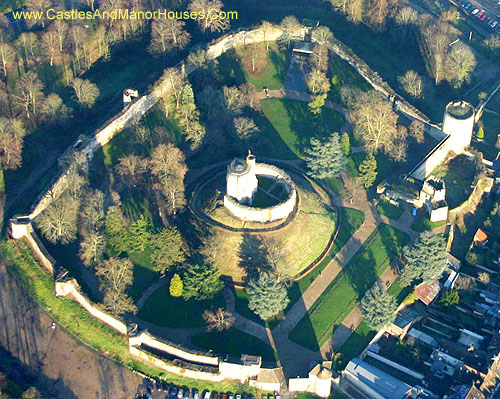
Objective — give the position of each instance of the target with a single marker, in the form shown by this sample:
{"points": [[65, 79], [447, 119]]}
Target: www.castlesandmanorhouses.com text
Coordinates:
{"points": [[123, 13]]}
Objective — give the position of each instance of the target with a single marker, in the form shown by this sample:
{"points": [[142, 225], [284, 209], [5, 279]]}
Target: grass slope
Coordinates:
{"points": [[296, 125], [342, 295]]}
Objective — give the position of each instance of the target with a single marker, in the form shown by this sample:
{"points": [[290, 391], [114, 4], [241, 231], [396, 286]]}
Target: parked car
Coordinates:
{"points": [[231, 396], [238, 396], [215, 396], [196, 394], [164, 386], [483, 17], [148, 395], [180, 393], [468, 6], [186, 394], [207, 395], [493, 24], [172, 391], [475, 11]]}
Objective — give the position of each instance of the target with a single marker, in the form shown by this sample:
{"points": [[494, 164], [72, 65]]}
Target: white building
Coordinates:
{"points": [[241, 179]]}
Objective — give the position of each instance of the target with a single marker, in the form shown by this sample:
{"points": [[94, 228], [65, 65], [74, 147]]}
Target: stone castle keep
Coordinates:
{"points": [[242, 184]]}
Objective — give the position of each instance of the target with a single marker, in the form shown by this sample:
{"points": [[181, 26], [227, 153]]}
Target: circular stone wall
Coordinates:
{"points": [[269, 214]]}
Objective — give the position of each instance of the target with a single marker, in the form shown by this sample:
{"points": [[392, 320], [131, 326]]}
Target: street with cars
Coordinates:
{"points": [[487, 12], [163, 390]]}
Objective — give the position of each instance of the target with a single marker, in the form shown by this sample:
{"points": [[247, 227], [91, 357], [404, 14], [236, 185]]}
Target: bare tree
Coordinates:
{"points": [[266, 27], [28, 43], [417, 130], [219, 320], [61, 28], [290, 26], [233, 99], [245, 127], [168, 165], [356, 10], [412, 83], [323, 35], [54, 111], [460, 64], [28, 93], [86, 92], [168, 34], [11, 142], [275, 256], [37, 6], [118, 303], [130, 168], [91, 249], [92, 214], [116, 274], [318, 82], [7, 56], [209, 9], [50, 41], [375, 122], [58, 221]]}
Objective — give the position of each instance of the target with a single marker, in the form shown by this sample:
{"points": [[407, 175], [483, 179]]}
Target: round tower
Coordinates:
{"points": [[458, 122], [241, 181]]}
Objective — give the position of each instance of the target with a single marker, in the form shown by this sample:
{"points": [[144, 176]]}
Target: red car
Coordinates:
{"points": [[483, 17], [480, 15]]}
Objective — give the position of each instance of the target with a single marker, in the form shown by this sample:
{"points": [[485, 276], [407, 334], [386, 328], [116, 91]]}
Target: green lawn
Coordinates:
{"points": [[356, 343], [234, 69], [296, 125], [234, 342], [422, 223], [391, 211], [350, 220], [165, 310], [342, 295], [144, 273], [79, 323]]}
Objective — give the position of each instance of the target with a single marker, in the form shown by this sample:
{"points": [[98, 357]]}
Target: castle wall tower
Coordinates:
{"points": [[241, 181], [458, 122]]}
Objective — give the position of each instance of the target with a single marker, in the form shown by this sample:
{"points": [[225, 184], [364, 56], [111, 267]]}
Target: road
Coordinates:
{"points": [[33, 353]]}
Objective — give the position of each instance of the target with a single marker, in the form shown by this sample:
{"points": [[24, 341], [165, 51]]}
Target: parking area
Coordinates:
{"points": [[163, 390], [486, 12]]}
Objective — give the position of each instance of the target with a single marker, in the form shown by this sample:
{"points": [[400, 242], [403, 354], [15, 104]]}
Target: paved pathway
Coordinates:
{"points": [[150, 291]]}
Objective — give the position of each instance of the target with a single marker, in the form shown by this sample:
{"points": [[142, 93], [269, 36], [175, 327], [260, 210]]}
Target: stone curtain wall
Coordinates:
{"points": [[71, 289], [137, 109], [272, 213], [175, 350]]}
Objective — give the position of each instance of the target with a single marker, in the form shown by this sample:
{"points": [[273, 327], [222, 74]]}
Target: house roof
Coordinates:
{"points": [[480, 236], [427, 292], [406, 317], [270, 375], [303, 47], [366, 375], [474, 393], [321, 372]]}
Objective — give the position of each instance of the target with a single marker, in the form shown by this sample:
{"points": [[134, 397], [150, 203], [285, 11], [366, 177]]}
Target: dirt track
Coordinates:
{"points": [[51, 359]]}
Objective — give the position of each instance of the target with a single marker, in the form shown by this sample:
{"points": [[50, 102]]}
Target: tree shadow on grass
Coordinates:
{"points": [[253, 256]]}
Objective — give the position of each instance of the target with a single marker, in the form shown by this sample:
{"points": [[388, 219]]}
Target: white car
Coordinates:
{"points": [[475, 11], [493, 24]]}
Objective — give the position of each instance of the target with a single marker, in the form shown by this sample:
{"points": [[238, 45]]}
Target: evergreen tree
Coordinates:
{"points": [[167, 249], [325, 159], [450, 298], [139, 235], [268, 296], [176, 286], [378, 307], [480, 133], [115, 231], [425, 260], [201, 282], [368, 171], [345, 143], [317, 104]]}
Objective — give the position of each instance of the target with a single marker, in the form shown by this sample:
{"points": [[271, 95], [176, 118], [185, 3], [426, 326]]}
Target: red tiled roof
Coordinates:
{"points": [[480, 236], [427, 292]]}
